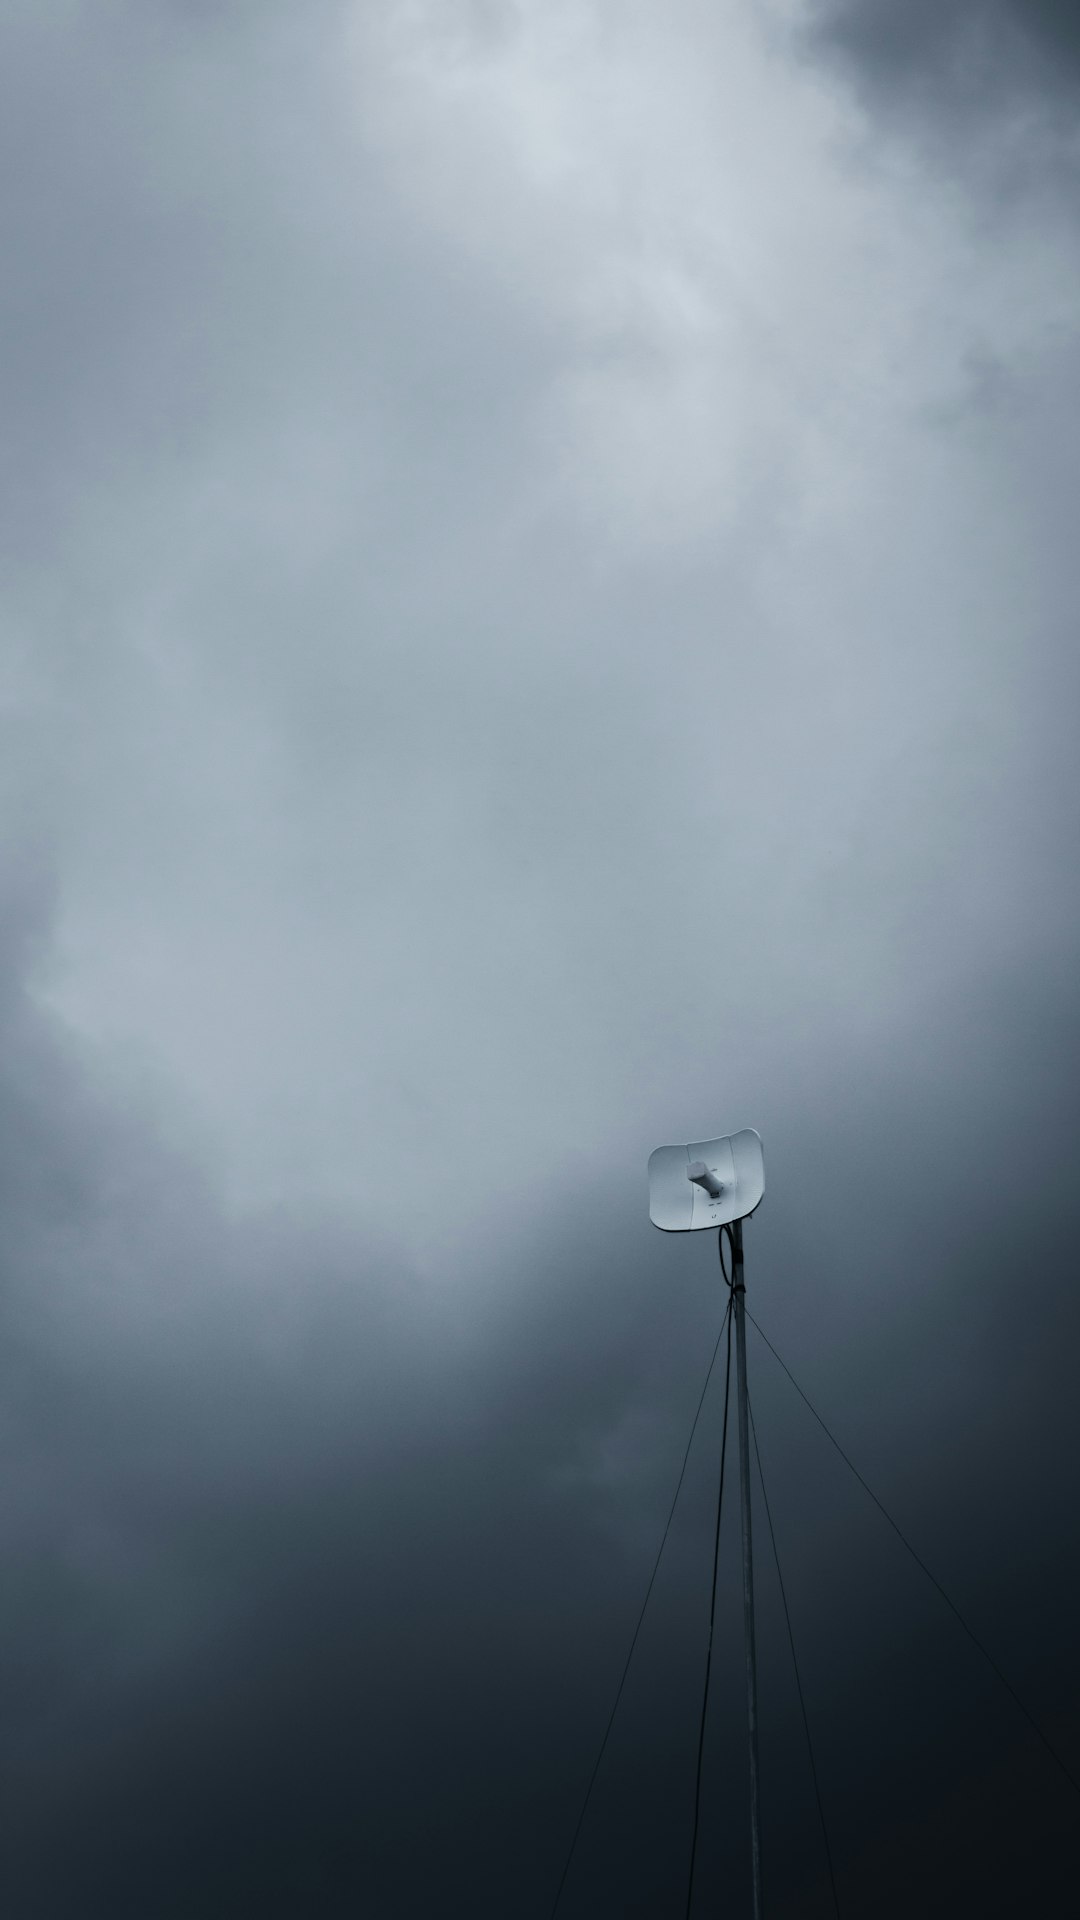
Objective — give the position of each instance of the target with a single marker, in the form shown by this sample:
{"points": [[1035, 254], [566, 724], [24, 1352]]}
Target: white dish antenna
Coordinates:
{"points": [[706, 1184]]}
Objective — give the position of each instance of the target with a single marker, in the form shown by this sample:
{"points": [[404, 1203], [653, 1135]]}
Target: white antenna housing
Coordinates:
{"points": [[706, 1184]]}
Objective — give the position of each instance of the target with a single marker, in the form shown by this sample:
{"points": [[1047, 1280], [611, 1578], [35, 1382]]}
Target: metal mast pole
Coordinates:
{"points": [[739, 1297]]}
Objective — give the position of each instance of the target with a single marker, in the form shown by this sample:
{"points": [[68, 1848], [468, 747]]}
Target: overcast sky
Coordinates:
{"points": [[539, 618]]}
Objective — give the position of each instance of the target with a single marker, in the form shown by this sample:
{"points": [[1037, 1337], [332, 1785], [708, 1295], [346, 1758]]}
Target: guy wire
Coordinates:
{"points": [[934, 1581], [725, 1323], [712, 1599]]}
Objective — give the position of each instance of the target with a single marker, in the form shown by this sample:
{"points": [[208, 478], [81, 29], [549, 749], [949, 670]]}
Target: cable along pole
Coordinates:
{"points": [[738, 1288]]}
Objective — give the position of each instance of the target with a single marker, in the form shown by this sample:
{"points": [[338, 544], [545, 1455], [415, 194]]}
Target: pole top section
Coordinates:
{"points": [[706, 1184]]}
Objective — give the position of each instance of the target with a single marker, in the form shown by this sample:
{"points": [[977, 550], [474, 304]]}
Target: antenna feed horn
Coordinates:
{"points": [[703, 1176]]}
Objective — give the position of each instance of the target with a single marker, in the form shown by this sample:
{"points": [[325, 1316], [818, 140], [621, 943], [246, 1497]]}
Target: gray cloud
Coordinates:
{"points": [[538, 619]]}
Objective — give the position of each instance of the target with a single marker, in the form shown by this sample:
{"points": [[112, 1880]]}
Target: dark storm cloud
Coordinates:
{"points": [[314, 1596], [1003, 71], [976, 35]]}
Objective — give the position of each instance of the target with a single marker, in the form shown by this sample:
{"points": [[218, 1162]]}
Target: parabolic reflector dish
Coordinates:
{"points": [[707, 1183]]}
